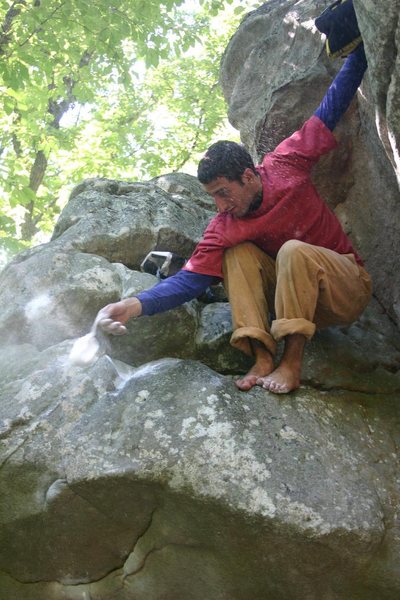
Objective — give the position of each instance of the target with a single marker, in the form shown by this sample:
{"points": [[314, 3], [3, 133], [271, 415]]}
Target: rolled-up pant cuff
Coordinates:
{"points": [[240, 339], [283, 327]]}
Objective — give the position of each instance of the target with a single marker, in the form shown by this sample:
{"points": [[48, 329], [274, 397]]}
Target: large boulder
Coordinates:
{"points": [[52, 292], [158, 215], [166, 482]]}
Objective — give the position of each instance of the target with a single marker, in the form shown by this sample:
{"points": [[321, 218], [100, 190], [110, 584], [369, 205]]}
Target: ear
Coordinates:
{"points": [[248, 175]]}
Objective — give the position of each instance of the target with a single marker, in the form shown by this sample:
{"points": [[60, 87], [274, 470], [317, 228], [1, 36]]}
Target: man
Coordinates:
{"points": [[275, 244]]}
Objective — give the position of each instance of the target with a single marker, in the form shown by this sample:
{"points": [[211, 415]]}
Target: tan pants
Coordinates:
{"points": [[308, 286]]}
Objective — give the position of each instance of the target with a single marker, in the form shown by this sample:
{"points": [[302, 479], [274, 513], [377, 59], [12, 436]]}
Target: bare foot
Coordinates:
{"points": [[281, 381], [286, 377], [263, 366]]}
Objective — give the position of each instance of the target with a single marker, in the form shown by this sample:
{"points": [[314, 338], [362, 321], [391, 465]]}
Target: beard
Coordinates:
{"points": [[256, 202]]}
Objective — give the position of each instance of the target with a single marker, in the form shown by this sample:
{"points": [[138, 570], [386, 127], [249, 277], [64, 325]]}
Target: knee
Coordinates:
{"points": [[292, 249]]}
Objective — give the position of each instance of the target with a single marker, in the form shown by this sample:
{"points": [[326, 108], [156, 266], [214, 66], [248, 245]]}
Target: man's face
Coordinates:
{"points": [[234, 197]]}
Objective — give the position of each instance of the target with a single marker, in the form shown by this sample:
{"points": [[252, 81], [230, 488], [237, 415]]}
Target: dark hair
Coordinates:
{"points": [[224, 159]]}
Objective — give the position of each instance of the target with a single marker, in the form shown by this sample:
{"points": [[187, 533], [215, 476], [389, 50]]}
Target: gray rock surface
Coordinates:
{"points": [[141, 216], [379, 24], [53, 292], [148, 475], [166, 482]]}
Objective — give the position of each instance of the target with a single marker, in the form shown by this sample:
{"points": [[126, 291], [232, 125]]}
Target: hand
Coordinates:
{"points": [[112, 318], [339, 23]]}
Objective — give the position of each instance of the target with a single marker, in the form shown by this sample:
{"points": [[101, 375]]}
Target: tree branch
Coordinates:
{"points": [[38, 170], [189, 151], [38, 28], [57, 109], [12, 12]]}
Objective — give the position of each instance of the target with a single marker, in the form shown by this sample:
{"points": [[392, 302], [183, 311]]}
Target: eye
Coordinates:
{"points": [[223, 193]]}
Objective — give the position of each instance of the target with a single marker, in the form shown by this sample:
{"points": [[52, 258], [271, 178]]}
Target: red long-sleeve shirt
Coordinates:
{"points": [[294, 194], [291, 207]]}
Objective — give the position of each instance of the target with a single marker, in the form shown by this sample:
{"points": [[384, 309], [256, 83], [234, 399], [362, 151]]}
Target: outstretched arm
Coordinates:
{"points": [[343, 88], [173, 291], [168, 294], [304, 147]]}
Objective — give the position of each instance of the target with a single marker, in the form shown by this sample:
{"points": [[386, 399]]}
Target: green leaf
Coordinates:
{"points": [[116, 128], [7, 225]]}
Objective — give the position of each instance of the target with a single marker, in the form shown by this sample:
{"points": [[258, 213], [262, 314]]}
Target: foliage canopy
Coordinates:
{"points": [[108, 88]]}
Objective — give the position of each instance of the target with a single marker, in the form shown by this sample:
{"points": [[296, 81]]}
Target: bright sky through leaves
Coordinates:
{"points": [[124, 89]]}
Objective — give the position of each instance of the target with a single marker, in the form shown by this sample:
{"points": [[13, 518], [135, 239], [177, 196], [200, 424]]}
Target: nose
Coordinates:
{"points": [[223, 205]]}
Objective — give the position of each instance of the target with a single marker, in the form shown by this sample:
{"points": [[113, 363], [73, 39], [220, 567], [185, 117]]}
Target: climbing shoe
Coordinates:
{"points": [[339, 23]]}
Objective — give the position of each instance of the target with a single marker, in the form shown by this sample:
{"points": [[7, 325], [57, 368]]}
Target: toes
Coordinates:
{"points": [[243, 387], [246, 384], [273, 386], [239, 384], [278, 388], [263, 382], [268, 383]]}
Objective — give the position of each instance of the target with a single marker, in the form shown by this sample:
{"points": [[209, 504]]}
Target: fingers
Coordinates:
{"points": [[112, 327], [111, 318]]}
